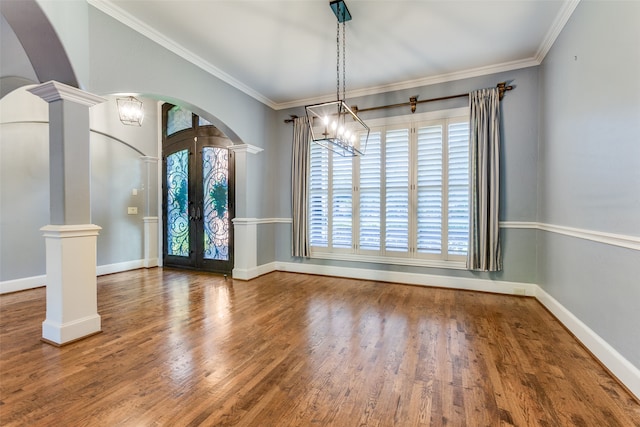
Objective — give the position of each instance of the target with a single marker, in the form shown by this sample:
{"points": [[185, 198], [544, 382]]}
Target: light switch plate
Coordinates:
{"points": [[132, 210]]}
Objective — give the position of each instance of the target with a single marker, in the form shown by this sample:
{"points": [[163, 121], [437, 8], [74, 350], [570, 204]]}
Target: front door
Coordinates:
{"points": [[197, 193]]}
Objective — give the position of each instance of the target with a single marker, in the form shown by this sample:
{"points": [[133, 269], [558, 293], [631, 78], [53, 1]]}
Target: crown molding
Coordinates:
{"points": [[410, 84], [556, 28]]}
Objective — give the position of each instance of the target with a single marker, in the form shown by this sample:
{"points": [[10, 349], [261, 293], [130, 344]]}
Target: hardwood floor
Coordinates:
{"points": [[188, 349]]}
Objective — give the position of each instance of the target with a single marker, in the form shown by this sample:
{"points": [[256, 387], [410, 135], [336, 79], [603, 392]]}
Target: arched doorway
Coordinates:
{"points": [[198, 193]]}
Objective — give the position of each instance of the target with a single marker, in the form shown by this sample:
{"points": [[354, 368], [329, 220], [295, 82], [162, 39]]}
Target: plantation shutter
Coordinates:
{"points": [[319, 196], [429, 189], [458, 217], [397, 190], [370, 175], [342, 185]]}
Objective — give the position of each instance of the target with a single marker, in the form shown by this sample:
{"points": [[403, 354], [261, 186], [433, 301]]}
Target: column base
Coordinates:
{"points": [[72, 296], [56, 334]]}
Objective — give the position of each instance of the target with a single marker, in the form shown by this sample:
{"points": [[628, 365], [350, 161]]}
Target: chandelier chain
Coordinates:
{"points": [[338, 60], [344, 62]]}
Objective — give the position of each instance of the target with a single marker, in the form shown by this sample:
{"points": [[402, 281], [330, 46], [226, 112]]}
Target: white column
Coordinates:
{"points": [[150, 211], [72, 301], [245, 234], [150, 241], [72, 304]]}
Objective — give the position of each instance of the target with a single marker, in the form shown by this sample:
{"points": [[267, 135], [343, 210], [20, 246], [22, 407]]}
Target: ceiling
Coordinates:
{"points": [[283, 52]]}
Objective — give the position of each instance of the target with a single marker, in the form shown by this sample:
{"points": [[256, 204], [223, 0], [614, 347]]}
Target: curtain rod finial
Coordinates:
{"points": [[502, 87]]}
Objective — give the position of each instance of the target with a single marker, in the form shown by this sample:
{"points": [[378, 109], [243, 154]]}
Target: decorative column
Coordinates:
{"points": [[150, 218], [245, 235], [72, 303]]}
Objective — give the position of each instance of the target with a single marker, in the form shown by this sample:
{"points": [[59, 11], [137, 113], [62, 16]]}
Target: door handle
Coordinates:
{"points": [[198, 216]]}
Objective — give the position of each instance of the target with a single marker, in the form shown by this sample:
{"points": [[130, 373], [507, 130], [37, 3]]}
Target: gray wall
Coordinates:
{"points": [[589, 169], [519, 153], [116, 169]]}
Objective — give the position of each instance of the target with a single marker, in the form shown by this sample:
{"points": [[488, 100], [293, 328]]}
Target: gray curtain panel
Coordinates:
{"points": [[299, 187], [484, 140]]}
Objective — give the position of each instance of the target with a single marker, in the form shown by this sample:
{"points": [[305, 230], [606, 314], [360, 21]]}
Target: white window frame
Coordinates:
{"points": [[411, 257]]}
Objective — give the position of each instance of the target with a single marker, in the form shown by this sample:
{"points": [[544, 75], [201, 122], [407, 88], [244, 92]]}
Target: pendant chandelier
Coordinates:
{"points": [[334, 125], [130, 110]]}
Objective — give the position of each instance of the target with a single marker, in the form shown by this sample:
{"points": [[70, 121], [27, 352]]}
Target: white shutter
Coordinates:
{"points": [[397, 190], [370, 175], [429, 189], [458, 182], [341, 190], [319, 196]]}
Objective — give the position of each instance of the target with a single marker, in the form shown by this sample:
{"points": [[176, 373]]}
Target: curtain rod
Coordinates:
{"points": [[413, 102]]}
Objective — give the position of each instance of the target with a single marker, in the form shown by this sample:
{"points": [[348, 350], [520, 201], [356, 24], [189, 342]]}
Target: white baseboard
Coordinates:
{"points": [[70, 331], [39, 281], [252, 273], [22, 284], [625, 371], [119, 267], [471, 284], [150, 263]]}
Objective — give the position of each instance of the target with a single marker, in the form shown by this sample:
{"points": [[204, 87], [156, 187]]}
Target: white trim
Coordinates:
{"points": [[252, 273], [556, 28], [410, 84], [624, 241], [621, 240], [519, 224], [248, 221], [381, 259], [33, 282], [251, 149], [470, 284], [119, 267], [25, 283], [624, 370], [70, 231], [55, 91], [62, 333]]}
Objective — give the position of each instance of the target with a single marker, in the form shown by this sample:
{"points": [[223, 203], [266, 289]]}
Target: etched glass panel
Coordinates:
{"points": [[215, 174], [178, 119], [178, 203], [203, 122]]}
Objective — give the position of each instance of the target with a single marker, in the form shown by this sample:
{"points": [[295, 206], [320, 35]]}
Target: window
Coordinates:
{"points": [[406, 201]]}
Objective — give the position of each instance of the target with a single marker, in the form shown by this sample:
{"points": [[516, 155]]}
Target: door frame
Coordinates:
{"points": [[194, 139]]}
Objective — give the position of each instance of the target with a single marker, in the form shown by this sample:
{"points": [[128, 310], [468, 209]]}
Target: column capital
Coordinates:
{"points": [[55, 91], [149, 159], [245, 148]]}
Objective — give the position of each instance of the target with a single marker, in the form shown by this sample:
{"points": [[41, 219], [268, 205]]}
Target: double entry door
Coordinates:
{"points": [[198, 203]]}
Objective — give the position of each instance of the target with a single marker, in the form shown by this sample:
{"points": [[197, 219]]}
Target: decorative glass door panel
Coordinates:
{"points": [[215, 171], [198, 195], [178, 242]]}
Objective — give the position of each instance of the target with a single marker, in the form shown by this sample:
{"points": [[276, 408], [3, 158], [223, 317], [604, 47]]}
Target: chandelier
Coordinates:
{"points": [[333, 124], [130, 111]]}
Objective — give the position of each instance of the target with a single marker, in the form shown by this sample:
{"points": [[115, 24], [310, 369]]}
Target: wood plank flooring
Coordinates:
{"points": [[191, 349]]}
